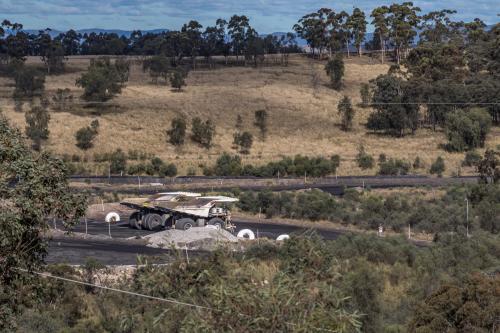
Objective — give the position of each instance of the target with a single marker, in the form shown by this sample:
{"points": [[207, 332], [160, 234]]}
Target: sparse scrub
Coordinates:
{"points": [[394, 167]]}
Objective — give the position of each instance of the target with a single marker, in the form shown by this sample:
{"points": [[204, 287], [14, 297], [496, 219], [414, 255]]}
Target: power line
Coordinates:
{"points": [[166, 300]]}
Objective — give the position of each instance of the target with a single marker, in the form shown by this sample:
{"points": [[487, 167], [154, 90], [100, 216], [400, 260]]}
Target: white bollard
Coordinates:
{"points": [[282, 237], [246, 233]]}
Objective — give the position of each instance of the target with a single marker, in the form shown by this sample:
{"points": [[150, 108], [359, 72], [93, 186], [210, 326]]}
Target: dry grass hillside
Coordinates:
{"points": [[303, 116]]}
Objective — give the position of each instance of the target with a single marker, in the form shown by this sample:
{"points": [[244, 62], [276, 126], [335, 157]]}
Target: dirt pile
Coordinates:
{"points": [[193, 239]]}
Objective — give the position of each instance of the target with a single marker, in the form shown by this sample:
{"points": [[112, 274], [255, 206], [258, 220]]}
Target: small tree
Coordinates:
{"points": [[62, 99], [365, 94], [168, 170], [244, 141], [29, 83], [261, 122], [118, 162], [37, 125], [335, 70], [85, 136], [177, 133], [365, 161], [103, 80], [158, 67], [202, 132], [438, 167], [346, 112], [177, 80], [467, 130], [489, 167]]}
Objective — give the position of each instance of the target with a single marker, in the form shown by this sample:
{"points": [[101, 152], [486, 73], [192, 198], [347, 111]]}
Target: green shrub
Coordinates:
{"points": [[202, 132], [168, 170], [335, 70], [118, 162], [394, 167], [417, 163], [244, 141], [467, 130], [438, 167], [472, 158], [365, 161], [177, 133]]}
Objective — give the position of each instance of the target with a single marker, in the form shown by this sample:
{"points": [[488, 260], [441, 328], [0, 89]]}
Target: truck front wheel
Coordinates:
{"points": [[184, 224], [219, 223]]}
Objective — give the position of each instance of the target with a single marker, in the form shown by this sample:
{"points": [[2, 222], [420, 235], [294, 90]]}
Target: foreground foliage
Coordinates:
{"points": [[353, 284], [33, 187]]}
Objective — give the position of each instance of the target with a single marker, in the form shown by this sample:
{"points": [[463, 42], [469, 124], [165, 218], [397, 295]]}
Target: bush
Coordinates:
{"points": [[118, 162], [29, 83], [177, 80], [335, 70], [228, 165], [102, 81], [86, 135], [366, 97], [365, 161], [467, 130], [417, 164], [438, 167], [261, 122], [346, 112], [394, 167], [244, 141], [472, 159], [168, 170], [202, 132], [177, 133]]}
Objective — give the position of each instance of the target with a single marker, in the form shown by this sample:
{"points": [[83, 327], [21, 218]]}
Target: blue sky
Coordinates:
{"points": [[265, 15]]}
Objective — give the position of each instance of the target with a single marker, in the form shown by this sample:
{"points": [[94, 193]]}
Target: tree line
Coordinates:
{"points": [[235, 37]]}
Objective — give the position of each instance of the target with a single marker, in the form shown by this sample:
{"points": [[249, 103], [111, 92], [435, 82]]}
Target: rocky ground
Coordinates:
{"points": [[206, 238]]}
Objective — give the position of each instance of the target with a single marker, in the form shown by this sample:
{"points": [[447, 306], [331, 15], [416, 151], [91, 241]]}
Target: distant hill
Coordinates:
{"points": [[119, 32]]}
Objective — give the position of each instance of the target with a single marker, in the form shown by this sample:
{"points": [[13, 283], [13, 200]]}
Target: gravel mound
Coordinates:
{"points": [[198, 238]]}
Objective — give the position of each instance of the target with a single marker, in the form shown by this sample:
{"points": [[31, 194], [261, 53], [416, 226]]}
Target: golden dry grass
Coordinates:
{"points": [[303, 117]]}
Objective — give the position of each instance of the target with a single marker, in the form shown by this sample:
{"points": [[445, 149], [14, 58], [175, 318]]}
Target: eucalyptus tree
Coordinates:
{"points": [[381, 23], [313, 28], [357, 26], [238, 31], [403, 20], [191, 36]]}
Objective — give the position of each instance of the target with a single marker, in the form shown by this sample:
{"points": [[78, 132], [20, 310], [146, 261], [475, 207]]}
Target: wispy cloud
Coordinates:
{"points": [[266, 15]]}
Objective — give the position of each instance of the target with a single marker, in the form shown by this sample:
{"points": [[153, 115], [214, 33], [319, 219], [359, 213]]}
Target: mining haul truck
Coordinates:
{"points": [[180, 210]]}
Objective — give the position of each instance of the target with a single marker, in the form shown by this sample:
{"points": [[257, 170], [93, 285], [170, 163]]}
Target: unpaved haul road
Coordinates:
{"points": [[117, 251]]}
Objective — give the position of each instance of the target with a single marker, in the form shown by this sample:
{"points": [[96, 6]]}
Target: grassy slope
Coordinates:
{"points": [[303, 118]]}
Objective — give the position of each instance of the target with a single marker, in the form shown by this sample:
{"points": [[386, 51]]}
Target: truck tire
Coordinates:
{"points": [[133, 220], [184, 224], [217, 222], [153, 221]]}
